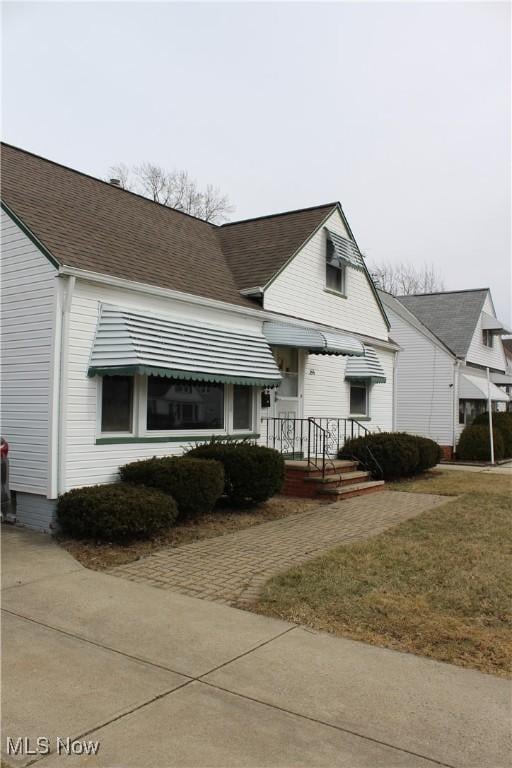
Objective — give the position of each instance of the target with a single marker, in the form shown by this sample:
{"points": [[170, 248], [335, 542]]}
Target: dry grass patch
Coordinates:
{"points": [[100, 556], [439, 585]]}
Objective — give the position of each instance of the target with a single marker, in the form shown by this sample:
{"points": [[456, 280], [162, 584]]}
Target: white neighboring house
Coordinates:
{"points": [[448, 341], [131, 330]]}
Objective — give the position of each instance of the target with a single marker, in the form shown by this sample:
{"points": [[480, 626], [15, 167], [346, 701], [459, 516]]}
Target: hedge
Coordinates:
{"points": [[195, 484], [502, 421], [253, 473], [393, 454], [116, 512], [474, 444]]}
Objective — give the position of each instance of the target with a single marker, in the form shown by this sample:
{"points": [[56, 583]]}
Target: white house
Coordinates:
{"points": [[448, 341], [130, 329]]}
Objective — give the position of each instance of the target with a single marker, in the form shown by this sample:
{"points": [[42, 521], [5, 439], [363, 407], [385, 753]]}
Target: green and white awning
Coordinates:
{"points": [[368, 367], [319, 342], [345, 251], [129, 342]]}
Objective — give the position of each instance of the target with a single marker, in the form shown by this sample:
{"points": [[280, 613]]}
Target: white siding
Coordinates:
{"points": [[299, 291], [478, 353], [86, 462], [424, 384], [326, 393], [29, 288]]}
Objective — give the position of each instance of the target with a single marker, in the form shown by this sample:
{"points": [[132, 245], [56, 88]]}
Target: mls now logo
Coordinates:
{"points": [[24, 746]]}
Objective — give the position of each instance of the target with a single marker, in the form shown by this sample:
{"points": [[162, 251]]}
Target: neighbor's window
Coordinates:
{"points": [[334, 273], [175, 404], [470, 409], [359, 398], [488, 338], [116, 403], [242, 407]]}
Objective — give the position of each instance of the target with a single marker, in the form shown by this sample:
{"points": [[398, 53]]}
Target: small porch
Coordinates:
{"points": [[311, 447]]}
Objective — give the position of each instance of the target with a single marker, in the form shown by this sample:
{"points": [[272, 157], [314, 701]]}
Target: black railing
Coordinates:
{"points": [[318, 440]]}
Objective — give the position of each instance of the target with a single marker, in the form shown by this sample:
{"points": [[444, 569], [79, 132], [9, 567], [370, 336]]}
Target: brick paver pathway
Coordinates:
{"points": [[233, 568]]}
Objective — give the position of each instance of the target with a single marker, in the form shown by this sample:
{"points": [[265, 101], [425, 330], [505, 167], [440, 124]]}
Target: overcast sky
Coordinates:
{"points": [[399, 110]]}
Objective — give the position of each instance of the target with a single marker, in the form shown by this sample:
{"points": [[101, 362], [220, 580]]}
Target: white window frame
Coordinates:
{"points": [[487, 336], [342, 292], [135, 410], [251, 427], [139, 415], [367, 386]]}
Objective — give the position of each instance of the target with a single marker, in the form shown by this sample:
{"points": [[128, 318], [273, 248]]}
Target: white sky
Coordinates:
{"points": [[399, 110]]}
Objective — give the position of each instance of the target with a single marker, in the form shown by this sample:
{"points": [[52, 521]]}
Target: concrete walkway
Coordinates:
{"points": [[496, 469], [162, 679], [232, 569]]}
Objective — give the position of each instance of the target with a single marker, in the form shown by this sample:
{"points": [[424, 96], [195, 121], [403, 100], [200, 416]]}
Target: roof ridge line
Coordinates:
{"points": [[107, 183], [282, 213]]}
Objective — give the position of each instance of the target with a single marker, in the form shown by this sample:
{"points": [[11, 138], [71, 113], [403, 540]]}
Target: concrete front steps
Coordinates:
{"points": [[342, 480]]}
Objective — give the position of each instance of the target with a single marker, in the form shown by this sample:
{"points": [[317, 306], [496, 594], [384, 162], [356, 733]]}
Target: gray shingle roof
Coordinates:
{"points": [[452, 316]]}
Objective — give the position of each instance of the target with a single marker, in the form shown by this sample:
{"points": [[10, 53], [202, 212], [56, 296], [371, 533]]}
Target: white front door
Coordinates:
{"points": [[290, 430]]}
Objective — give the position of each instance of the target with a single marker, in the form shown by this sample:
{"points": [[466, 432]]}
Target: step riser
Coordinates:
{"points": [[353, 494]]}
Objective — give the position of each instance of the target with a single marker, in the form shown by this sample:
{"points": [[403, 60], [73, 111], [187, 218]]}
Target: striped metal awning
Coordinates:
{"points": [[477, 388], [501, 378], [129, 342], [368, 367], [345, 251], [319, 342]]}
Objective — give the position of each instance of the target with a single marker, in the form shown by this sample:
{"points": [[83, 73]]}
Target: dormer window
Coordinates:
{"points": [[334, 270], [487, 338]]}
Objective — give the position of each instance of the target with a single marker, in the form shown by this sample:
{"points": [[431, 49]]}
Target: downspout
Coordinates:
{"points": [[63, 383], [489, 409], [455, 405]]}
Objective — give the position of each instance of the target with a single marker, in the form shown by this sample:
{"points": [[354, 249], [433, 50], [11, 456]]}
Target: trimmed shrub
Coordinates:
{"points": [[397, 453], [474, 444], [116, 512], [252, 473], [430, 453], [502, 421], [195, 484]]}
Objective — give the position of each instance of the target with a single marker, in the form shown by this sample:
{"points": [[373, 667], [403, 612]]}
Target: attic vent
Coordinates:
{"points": [[115, 182]]}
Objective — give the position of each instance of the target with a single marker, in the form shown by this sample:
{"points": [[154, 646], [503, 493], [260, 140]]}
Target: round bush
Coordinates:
{"points": [[252, 473], [195, 484], [393, 454], [116, 512], [474, 444], [502, 421], [430, 453]]}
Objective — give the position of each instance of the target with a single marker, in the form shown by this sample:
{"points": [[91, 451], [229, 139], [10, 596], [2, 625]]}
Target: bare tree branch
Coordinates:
{"points": [[175, 189], [404, 279]]}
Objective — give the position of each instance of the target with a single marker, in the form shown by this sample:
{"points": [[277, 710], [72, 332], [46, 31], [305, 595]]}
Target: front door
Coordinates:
{"points": [[290, 429]]}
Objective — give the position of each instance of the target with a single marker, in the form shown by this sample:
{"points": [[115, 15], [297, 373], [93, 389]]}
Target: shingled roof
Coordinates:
{"points": [[451, 315], [89, 224], [258, 248]]}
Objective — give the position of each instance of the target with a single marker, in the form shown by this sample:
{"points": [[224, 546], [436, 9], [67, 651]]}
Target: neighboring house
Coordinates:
{"points": [[505, 381], [133, 330], [448, 341]]}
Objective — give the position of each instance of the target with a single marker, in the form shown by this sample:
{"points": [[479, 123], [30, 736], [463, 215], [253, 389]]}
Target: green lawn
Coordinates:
{"points": [[439, 585]]}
